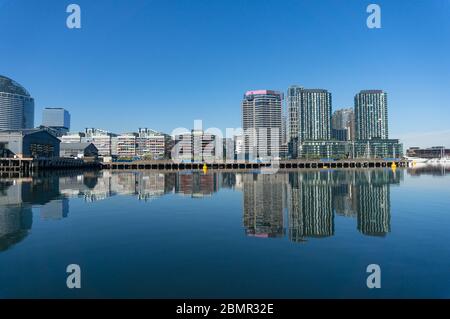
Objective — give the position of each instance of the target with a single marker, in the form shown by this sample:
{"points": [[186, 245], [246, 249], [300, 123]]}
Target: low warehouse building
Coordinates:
{"points": [[79, 150], [29, 143]]}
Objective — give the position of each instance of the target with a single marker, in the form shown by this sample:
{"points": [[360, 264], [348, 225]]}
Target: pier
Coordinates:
{"points": [[27, 165], [239, 165]]}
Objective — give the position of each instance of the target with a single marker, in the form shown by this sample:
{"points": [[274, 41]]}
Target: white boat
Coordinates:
{"points": [[417, 160]]}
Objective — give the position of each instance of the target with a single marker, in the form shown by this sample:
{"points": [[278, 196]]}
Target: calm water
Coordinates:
{"points": [[294, 235]]}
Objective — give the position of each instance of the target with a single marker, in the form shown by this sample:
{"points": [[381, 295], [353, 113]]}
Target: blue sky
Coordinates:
{"points": [[164, 63]]}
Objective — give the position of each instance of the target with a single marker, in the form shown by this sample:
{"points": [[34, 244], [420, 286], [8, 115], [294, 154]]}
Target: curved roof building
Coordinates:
{"points": [[16, 106]]}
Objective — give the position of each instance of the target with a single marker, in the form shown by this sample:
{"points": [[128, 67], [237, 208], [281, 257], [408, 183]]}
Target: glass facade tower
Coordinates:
{"points": [[371, 115], [16, 106]]}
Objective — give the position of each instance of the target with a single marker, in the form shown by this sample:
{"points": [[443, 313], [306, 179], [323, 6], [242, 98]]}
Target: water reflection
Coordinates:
{"points": [[263, 204], [299, 205], [435, 170]]}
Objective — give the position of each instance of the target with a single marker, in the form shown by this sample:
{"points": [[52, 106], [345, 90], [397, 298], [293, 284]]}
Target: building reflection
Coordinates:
{"points": [[263, 204], [313, 198], [296, 205], [196, 184], [17, 197], [434, 170], [310, 205]]}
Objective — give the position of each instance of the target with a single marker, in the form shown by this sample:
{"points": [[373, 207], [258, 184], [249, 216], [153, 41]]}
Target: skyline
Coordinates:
{"points": [[185, 57]]}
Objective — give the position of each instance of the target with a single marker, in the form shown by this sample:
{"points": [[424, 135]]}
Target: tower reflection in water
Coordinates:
{"points": [[300, 204], [313, 198]]}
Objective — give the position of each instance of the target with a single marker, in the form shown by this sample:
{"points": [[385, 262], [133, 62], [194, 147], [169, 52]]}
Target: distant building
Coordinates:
{"points": [[28, 143], [432, 152], [343, 125], [229, 152], [371, 115], [195, 146], [101, 139], [77, 137], [57, 119], [324, 149], [16, 106], [145, 144], [80, 150], [239, 146], [152, 144], [262, 123], [127, 145]]}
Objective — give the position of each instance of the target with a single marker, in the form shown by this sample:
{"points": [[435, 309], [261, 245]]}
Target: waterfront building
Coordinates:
{"points": [[152, 144], [16, 106], [229, 153], [57, 119], [371, 132], [343, 125], [284, 128], [195, 146], [309, 114], [29, 143], [309, 117], [432, 152], [101, 139], [78, 150], [294, 100], [127, 145], [376, 148], [371, 127], [324, 149], [239, 146], [371, 115], [183, 147], [261, 122], [73, 137]]}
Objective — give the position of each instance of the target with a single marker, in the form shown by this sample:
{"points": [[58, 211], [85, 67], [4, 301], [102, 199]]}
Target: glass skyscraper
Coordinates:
{"points": [[16, 106], [371, 115], [56, 118], [261, 121], [309, 114]]}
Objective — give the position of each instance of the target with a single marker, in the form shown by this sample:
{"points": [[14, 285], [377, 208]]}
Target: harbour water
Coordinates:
{"points": [[302, 234]]}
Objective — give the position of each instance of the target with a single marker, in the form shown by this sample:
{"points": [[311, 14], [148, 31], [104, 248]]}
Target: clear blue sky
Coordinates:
{"points": [[163, 63]]}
